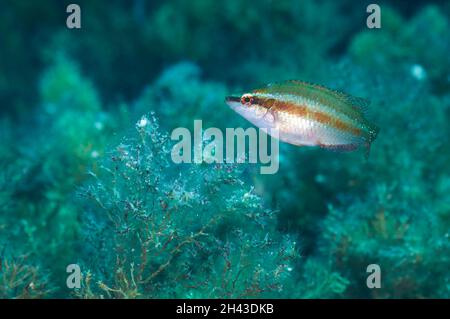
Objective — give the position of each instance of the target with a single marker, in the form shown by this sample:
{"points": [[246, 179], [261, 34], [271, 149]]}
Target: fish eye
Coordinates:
{"points": [[247, 99]]}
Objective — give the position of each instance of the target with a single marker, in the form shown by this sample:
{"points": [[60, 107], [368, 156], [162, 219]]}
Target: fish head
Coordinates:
{"points": [[249, 107]]}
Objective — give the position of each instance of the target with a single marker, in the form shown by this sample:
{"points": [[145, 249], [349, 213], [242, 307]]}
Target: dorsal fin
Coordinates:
{"points": [[303, 88]]}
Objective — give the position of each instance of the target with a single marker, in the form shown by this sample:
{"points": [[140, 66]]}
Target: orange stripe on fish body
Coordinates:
{"points": [[308, 114]]}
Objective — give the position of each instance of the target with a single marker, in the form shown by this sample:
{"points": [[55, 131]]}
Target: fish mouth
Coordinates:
{"points": [[230, 99]]}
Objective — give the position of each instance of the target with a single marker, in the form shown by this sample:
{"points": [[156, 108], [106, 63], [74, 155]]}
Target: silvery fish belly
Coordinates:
{"points": [[308, 114]]}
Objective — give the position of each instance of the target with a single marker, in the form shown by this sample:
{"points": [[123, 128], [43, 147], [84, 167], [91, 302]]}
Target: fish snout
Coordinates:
{"points": [[233, 102], [231, 99]]}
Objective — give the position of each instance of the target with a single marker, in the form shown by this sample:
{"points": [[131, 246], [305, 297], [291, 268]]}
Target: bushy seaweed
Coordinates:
{"points": [[166, 231]]}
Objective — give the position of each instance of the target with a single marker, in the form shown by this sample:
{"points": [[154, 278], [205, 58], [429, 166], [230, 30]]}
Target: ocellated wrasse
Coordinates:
{"points": [[307, 114]]}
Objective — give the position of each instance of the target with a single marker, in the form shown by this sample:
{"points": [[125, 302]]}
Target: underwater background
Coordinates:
{"points": [[82, 183]]}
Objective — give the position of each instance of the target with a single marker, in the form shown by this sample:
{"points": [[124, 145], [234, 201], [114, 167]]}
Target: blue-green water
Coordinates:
{"points": [[87, 178]]}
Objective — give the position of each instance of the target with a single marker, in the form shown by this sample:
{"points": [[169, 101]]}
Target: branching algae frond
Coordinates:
{"points": [[159, 230]]}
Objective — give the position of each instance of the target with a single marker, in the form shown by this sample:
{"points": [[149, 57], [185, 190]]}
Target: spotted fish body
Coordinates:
{"points": [[308, 114]]}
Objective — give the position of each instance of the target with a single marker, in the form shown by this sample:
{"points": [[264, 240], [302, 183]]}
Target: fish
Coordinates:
{"points": [[308, 114]]}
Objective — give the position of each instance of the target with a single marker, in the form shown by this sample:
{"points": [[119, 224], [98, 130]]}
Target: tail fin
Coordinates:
{"points": [[373, 133]]}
